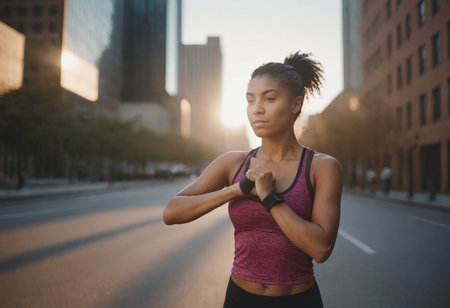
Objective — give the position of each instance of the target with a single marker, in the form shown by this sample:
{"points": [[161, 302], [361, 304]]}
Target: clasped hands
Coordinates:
{"points": [[263, 182]]}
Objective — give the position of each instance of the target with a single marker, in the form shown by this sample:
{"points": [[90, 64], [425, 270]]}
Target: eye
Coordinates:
{"points": [[250, 100], [270, 99]]}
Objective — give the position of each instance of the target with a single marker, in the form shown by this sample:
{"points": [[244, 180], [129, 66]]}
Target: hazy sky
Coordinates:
{"points": [[254, 32]]}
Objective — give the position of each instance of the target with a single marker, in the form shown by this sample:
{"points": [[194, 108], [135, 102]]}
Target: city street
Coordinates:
{"points": [[111, 249]]}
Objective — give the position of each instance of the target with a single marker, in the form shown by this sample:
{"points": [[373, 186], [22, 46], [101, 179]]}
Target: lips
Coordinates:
{"points": [[258, 122]]}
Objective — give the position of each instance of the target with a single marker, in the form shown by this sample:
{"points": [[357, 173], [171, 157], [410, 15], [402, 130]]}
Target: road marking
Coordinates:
{"points": [[432, 222], [356, 242]]}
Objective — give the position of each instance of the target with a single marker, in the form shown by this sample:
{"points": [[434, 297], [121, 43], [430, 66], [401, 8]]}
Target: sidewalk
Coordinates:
{"points": [[32, 191], [441, 202]]}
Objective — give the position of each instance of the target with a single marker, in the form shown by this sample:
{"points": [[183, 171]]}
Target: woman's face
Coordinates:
{"points": [[270, 107]]}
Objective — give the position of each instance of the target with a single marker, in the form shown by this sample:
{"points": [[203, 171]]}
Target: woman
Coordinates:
{"points": [[284, 199]]}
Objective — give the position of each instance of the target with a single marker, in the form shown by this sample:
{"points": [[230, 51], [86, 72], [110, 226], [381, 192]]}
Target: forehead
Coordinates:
{"points": [[261, 83]]}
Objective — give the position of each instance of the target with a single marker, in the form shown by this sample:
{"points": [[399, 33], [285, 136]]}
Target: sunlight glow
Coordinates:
{"points": [[79, 76], [233, 117], [185, 118]]}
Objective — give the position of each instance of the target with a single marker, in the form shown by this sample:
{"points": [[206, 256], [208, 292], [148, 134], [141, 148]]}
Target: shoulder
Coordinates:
{"points": [[324, 166], [230, 158], [325, 161], [230, 162]]}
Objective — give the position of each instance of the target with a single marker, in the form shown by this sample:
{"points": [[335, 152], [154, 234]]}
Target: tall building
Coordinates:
{"points": [[152, 30], [99, 51], [406, 64], [12, 47], [201, 86], [351, 35]]}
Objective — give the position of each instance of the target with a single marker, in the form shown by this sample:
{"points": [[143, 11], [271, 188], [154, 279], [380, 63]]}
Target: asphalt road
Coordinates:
{"points": [[111, 249]]}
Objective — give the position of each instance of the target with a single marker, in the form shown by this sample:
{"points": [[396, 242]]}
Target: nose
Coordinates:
{"points": [[258, 107]]}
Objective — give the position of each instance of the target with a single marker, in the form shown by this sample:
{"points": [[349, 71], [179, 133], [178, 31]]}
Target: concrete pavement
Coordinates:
{"points": [[421, 199]]}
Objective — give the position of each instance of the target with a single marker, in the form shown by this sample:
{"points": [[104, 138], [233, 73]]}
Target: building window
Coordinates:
{"points": [[389, 45], [22, 11], [448, 41], [36, 27], [408, 115], [399, 118], [422, 59], [408, 26], [399, 77], [37, 10], [408, 70], [436, 103], [399, 35], [388, 9], [436, 45], [423, 109], [53, 10], [435, 5], [421, 12], [5, 11], [389, 85], [52, 27], [448, 94]]}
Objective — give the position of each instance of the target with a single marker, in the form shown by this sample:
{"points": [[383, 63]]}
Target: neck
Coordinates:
{"points": [[280, 148]]}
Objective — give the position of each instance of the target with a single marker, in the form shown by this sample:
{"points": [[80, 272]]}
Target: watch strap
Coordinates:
{"points": [[272, 199], [246, 185]]}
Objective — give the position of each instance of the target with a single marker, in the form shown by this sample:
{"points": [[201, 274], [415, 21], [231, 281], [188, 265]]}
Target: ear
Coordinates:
{"points": [[297, 105]]}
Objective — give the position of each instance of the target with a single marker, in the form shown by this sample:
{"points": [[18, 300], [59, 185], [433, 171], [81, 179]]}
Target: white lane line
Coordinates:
{"points": [[432, 222], [356, 242]]}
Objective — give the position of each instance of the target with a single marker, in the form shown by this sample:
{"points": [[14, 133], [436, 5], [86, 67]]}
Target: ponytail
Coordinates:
{"points": [[310, 71]]}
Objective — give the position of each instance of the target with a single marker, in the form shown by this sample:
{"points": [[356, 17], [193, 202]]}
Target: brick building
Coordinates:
{"points": [[406, 64]]}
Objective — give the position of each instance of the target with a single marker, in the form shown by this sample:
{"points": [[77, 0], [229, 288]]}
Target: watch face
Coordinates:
{"points": [[272, 199], [278, 197]]}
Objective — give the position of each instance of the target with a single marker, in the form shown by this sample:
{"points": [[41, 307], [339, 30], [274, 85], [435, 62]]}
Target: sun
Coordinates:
{"points": [[232, 118]]}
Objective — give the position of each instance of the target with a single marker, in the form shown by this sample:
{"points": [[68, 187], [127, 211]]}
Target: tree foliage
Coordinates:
{"points": [[60, 141], [352, 135]]}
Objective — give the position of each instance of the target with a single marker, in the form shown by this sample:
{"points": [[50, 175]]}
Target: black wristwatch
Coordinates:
{"points": [[272, 199], [246, 185]]}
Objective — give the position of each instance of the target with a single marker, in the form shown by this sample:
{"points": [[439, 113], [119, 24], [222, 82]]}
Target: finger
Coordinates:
{"points": [[260, 170], [250, 175]]}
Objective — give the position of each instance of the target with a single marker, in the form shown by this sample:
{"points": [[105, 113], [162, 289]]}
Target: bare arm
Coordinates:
{"points": [[315, 237], [209, 191]]}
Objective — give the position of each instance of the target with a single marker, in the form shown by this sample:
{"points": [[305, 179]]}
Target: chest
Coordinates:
{"points": [[285, 173]]}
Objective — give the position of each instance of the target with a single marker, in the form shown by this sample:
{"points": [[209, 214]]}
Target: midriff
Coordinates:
{"points": [[271, 289]]}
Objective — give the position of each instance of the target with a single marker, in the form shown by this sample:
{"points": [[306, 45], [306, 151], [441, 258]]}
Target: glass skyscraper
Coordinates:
{"points": [[106, 51]]}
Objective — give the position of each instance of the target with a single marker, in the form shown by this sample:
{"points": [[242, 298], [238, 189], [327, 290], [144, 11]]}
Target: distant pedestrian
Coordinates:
{"points": [[371, 176], [284, 198], [386, 177]]}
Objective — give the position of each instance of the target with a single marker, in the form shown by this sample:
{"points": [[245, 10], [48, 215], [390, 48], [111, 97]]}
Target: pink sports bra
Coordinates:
{"points": [[263, 254]]}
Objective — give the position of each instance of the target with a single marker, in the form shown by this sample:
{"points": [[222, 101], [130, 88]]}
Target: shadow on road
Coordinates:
{"points": [[40, 254], [157, 281]]}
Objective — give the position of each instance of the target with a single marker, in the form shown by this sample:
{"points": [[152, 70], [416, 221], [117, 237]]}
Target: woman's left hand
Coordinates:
{"points": [[264, 180]]}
